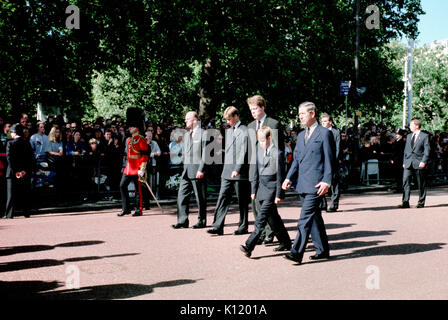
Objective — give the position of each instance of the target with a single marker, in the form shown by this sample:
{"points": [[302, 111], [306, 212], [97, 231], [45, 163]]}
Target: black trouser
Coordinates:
{"points": [[125, 201], [420, 174], [242, 189], [18, 193], [267, 232], [186, 187], [268, 213]]}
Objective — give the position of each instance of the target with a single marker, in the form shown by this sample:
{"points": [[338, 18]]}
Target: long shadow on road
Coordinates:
{"points": [[42, 263], [5, 251], [31, 290]]}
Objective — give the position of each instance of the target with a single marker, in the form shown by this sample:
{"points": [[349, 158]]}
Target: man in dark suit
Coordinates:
{"points": [[327, 122], [257, 105], [234, 174], [416, 156], [192, 178], [20, 157], [267, 187], [314, 163]]}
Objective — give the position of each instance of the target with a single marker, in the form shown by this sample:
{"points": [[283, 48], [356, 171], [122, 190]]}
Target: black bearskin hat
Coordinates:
{"points": [[135, 118]]}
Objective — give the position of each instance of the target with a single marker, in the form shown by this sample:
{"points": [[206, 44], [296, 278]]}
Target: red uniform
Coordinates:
{"points": [[135, 160]]}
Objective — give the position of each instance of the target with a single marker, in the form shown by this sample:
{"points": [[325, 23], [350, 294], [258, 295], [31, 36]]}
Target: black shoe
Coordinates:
{"points": [[122, 213], [283, 247], [218, 232], [137, 213], [199, 225], [246, 251], [332, 209], [260, 241], [240, 232], [180, 225], [6, 217], [293, 257], [404, 205], [26, 215], [420, 205], [323, 255], [268, 240]]}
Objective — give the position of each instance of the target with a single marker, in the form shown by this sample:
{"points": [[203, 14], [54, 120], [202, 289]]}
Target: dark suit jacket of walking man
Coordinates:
{"points": [[234, 174], [415, 159], [193, 179], [313, 162]]}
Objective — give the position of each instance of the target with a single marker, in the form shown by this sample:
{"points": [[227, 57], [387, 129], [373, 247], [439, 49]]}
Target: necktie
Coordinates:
{"points": [[413, 140], [258, 124], [307, 135]]}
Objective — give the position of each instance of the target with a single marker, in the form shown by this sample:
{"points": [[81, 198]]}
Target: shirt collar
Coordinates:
{"points": [[262, 119], [237, 125]]}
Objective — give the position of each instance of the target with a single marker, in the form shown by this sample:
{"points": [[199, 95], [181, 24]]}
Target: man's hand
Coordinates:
{"points": [[253, 196], [286, 184], [20, 175], [234, 174], [199, 175], [422, 165], [323, 188], [277, 200]]}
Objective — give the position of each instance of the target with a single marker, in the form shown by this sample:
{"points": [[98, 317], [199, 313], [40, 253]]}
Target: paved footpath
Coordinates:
{"points": [[378, 252]]}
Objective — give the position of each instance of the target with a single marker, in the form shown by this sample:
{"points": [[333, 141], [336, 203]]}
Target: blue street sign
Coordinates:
{"points": [[344, 88]]}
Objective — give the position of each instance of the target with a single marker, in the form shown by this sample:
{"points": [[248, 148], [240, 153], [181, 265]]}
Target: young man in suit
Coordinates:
{"points": [[234, 174], [267, 187], [314, 163], [416, 156], [327, 122], [192, 178], [257, 106]]}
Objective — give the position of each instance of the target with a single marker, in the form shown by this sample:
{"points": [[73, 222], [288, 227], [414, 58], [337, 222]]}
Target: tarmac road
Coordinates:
{"points": [[377, 252]]}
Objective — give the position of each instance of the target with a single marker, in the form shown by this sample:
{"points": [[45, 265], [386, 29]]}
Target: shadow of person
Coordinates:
{"points": [[391, 250], [40, 290], [42, 263], [6, 251], [111, 291]]}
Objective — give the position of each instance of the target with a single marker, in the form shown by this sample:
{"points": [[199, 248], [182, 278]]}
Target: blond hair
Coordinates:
{"points": [[257, 100], [52, 135], [264, 132], [230, 112]]}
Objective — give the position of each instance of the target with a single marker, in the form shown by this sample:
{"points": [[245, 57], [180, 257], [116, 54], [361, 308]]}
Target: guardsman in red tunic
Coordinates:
{"points": [[136, 160]]}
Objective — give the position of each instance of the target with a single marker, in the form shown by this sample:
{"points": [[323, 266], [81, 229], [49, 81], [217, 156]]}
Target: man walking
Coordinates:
{"points": [[257, 106], [416, 156], [267, 187], [234, 174], [313, 162], [193, 174], [327, 122]]}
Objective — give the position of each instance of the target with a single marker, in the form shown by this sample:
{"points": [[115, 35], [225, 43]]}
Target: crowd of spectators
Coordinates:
{"points": [[83, 160]]}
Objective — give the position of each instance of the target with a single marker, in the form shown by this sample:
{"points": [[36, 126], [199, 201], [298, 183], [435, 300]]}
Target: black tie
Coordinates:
{"points": [[413, 140], [258, 124]]}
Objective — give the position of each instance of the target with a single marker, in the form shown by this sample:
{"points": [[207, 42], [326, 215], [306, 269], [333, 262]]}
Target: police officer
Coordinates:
{"points": [[20, 157]]}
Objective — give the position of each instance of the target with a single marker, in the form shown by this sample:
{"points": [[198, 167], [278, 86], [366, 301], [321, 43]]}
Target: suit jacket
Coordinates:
{"points": [[194, 152], [269, 175], [236, 153], [20, 157], [277, 139], [419, 153], [337, 141], [314, 161], [398, 152]]}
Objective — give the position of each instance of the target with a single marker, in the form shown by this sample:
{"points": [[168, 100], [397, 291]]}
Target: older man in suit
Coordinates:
{"points": [[193, 174], [234, 174], [267, 187], [257, 106], [415, 159], [314, 163]]}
